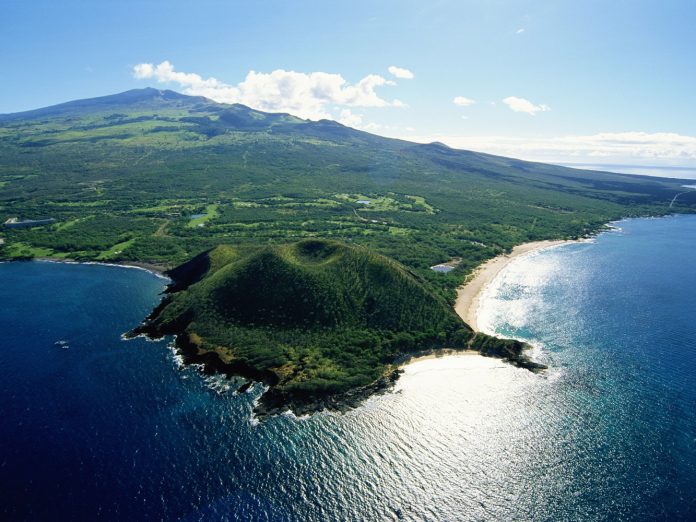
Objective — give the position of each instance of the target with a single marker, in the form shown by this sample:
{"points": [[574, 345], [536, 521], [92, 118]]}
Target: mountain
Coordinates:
{"points": [[158, 177], [312, 283], [148, 98], [320, 322]]}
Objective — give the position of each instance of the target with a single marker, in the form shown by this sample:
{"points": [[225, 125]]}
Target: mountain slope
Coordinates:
{"points": [[147, 99], [124, 175], [313, 283]]}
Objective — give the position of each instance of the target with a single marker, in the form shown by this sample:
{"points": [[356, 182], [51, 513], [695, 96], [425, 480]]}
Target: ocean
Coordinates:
{"points": [[94, 427]]}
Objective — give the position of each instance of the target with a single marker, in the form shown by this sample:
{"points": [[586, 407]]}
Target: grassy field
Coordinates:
{"points": [[210, 213]]}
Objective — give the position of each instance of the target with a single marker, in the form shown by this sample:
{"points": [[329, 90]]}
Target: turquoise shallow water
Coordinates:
{"points": [[116, 430]]}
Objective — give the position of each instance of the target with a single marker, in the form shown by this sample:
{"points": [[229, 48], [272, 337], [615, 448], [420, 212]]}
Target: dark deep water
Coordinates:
{"points": [[115, 430]]}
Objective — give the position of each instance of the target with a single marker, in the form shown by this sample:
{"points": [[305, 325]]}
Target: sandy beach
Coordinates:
{"points": [[469, 294], [408, 360]]}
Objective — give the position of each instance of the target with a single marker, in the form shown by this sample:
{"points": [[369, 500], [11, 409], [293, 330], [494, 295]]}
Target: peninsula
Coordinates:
{"points": [[321, 323]]}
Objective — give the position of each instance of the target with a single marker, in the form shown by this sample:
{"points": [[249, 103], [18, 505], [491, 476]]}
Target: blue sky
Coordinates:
{"points": [[584, 81]]}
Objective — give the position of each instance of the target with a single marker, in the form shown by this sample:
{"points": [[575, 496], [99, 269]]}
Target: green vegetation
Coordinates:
{"points": [[93, 237], [115, 250], [390, 202], [312, 318], [123, 175], [19, 250]]}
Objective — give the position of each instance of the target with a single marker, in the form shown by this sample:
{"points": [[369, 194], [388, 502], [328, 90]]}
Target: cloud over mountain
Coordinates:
{"points": [[308, 95]]}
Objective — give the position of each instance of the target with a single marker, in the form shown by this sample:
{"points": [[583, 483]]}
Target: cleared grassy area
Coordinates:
{"points": [[22, 250], [211, 212], [399, 231], [161, 209], [371, 203], [80, 204], [420, 201], [115, 250], [66, 224], [390, 202]]}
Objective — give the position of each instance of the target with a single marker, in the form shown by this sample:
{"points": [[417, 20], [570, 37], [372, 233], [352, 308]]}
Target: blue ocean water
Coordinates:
{"points": [[116, 430], [616, 318]]}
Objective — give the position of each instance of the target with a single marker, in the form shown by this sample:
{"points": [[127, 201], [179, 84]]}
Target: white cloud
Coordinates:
{"points": [[605, 147], [143, 70], [520, 30], [521, 105], [461, 101], [398, 72], [371, 127], [307, 95], [348, 118]]}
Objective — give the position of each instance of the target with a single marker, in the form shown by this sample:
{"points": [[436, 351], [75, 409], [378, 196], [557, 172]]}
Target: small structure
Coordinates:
{"points": [[26, 223], [450, 265]]}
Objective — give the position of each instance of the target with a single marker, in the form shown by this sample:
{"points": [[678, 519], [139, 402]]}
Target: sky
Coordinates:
{"points": [[600, 82]]}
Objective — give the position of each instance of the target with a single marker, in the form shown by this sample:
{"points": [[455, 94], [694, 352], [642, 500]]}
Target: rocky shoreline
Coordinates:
{"points": [[275, 401]]}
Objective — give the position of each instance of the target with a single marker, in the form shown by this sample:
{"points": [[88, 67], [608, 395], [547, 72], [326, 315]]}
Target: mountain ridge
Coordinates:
{"points": [[133, 96]]}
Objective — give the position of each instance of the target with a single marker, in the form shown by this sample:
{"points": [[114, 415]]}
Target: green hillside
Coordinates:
{"points": [[156, 176], [313, 319]]}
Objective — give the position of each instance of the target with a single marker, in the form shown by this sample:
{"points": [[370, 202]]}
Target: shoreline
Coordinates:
{"points": [[438, 353], [154, 269], [470, 293]]}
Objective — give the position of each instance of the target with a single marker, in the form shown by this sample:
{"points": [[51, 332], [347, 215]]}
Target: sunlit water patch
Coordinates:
{"points": [[614, 320]]}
